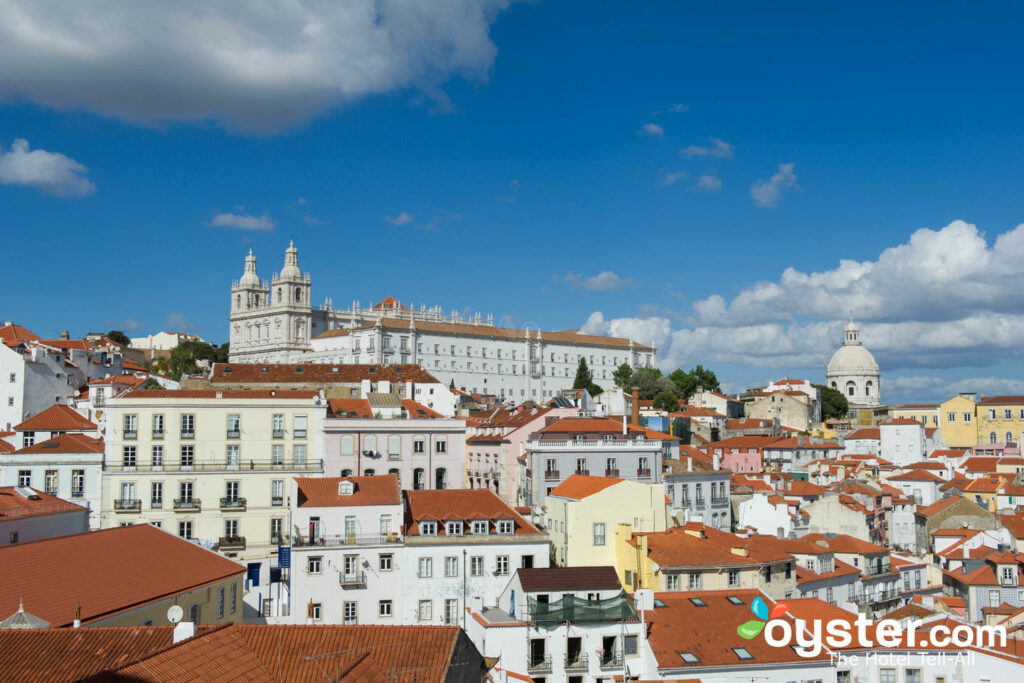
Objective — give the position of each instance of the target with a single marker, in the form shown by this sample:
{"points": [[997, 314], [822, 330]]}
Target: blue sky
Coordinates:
{"points": [[647, 169]]}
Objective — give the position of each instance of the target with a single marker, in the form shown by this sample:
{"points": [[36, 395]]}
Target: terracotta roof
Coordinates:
{"points": [[694, 411], [465, 330], [580, 486], [916, 406], [349, 407], [948, 453], [415, 409], [844, 543], [389, 303], [66, 443], [677, 548], [12, 334], [865, 433], [804, 575], [235, 394], [569, 579], [798, 487], [381, 489], [1014, 522], [56, 418], [583, 425], [937, 506], [460, 504], [902, 421], [15, 506], [148, 563], [316, 373], [743, 442], [794, 442], [1002, 400], [120, 379], [916, 475]]}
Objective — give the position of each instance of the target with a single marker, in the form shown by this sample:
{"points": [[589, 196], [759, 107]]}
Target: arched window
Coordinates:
{"points": [[440, 478], [238, 300], [834, 385], [867, 389], [1009, 437], [369, 473], [418, 479], [346, 473], [992, 437], [851, 388]]}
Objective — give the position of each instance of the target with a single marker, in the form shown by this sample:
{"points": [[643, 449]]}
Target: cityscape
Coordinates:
{"points": [[511, 342]]}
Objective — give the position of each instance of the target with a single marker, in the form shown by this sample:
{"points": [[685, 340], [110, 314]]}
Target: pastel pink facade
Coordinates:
{"points": [[743, 461]]}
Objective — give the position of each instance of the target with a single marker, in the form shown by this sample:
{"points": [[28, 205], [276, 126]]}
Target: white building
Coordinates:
{"points": [[275, 322], [162, 341], [560, 624], [698, 488], [30, 515], [864, 440], [853, 371], [211, 466], [902, 442]]}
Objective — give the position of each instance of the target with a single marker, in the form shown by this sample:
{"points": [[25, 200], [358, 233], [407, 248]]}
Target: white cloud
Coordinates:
{"points": [[651, 129], [708, 183], [945, 298], [177, 322], [243, 221], [401, 219], [51, 172], [256, 66], [605, 281], [126, 325], [673, 178], [679, 108], [719, 148], [767, 193]]}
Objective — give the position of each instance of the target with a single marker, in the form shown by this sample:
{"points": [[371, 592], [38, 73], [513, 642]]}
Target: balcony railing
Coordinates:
{"points": [[880, 596], [874, 568], [351, 539], [127, 505], [611, 660], [187, 505], [719, 500], [218, 466], [77, 494], [188, 433], [643, 474], [585, 472], [550, 474], [158, 433], [646, 444], [277, 501], [234, 433], [611, 472], [577, 662], [352, 580], [538, 664], [131, 434], [278, 434], [232, 503], [231, 543]]}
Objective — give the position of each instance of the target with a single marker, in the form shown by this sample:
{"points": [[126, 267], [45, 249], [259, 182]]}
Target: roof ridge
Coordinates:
{"points": [[142, 657]]}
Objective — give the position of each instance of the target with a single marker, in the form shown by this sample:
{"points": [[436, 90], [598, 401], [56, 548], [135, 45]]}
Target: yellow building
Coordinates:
{"points": [[957, 421], [926, 414], [697, 557], [1000, 419], [583, 512]]}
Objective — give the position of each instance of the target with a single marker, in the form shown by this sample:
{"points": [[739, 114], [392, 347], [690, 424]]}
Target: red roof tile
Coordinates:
{"points": [[381, 489], [235, 394], [460, 504], [579, 486], [569, 578], [865, 433], [844, 543], [66, 443], [13, 505], [56, 418], [316, 373], [349, 407], [415, 409]]}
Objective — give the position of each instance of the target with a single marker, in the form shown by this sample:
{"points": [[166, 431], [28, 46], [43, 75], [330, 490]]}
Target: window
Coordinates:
{"points": [[156, 495], [425, 568], [887, 676], [25, 478], [128, 460], [384, 608], [734, 578], [277, 425], [689, 657], [913, 676], [424, 610], [188, 426], [451, 611], [220, 603], [476, 565], [418, 445], [599, 537], [672, 582], [158, 457], [695, 581], [277, 455], [453, 528], [234, 597], [349, 613], [502, 568], [299, 428], [188, 458], [385, 562], [234, 426], [314, 565], [441, 445], [741, 653], [131, 426], [233, 456], [50, 482], [394, 447], [277, 492], [479, 527], [77, 483], [299, 455], [185, 530], [276, 526], [967, 417], [451, 566], [428, 528], [505, 526]]}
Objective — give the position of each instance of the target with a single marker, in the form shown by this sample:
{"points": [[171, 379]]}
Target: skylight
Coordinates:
{"points": [[698, 602], [689, 657], [742, 653], [734, 600]]}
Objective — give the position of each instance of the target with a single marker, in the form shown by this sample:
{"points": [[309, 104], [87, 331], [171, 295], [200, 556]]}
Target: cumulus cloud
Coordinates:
{"points": [[126, 325], [605, 281], [258, 66], [718, 148], [708, 183], [673, 178], [651, 129], [767, 193], [401, 219], [945, 298], [243, 221], [50, 172], [177, 322]]}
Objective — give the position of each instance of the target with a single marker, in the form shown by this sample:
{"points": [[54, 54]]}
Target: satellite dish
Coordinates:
{"points": [[174, 614]]}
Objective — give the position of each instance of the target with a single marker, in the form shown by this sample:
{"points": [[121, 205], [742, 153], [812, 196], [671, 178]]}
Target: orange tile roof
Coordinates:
{"points": [[652, 434], [916, 475], [56, 418], [236, 394], [582, 425], [579, 486], [66, 443], [844, 543], [218, 655], [380, 489], [601, 577], [415, 409], [902, 421], [804, 575], [149, 564], [1002, 400], [948, 453], [13, 334], [1014, 522], [316, 373], [937, 506], [15, 506], [349, 407], [677, 548], [865, 433], [460, 504]]}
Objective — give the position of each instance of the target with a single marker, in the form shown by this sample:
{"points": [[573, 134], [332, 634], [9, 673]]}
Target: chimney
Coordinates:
{"points": [[636, 406], [309, 613], [689, 463], [742, 552], [78, 616], [184, 630], [717, 462], [65, 335]]}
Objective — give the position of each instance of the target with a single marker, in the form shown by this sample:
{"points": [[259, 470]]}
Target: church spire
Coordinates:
{"points": [[249, 277], [291, 262]]}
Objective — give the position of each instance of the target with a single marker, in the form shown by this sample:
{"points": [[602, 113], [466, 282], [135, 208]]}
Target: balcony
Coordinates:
{"points": [[188, 433], [187, 505], [590, 445], [643, 473], [352, 580], [584, 472], [278, 434], [611, 660], [234, 434], [719, 500], [495, 473], [158, 433], [277, 501], [232, 503], [219, 466], [550, 475], [127, 505], [392, 538], [537, 665], [876, 568], [226, 543], [874, 598], [77, 493], [131, 434], [611, 472], [577, 662]]}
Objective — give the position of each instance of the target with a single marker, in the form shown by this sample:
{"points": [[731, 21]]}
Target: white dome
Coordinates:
{"points": [[249, 277], [852, 359], [291, 263]]}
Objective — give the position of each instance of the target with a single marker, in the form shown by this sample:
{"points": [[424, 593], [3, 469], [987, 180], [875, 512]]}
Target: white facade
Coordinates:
{"points": [[902, 442], [162, 341], [30, 515], [853, 371]]}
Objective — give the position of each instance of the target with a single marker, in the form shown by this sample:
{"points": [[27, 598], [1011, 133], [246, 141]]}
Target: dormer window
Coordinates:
{"points": [[453, 528], [428, 528], [346, 488], [1008, 576], [505, 526], [479, 527]]}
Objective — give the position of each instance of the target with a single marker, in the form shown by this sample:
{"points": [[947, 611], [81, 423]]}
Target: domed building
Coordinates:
{"points": [[854, 371]]}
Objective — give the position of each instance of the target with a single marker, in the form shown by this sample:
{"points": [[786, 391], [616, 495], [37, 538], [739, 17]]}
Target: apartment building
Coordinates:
{"points": [[880, 585], [698, 488], [211, 466], [1000, 420]]}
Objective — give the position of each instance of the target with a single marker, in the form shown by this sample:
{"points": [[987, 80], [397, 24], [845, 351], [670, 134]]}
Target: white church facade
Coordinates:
{"points": [[854, 371], [275, 322]]}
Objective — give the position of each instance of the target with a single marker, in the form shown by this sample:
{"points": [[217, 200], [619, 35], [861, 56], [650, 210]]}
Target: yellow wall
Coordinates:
{"points": [[1000, 425], [926, 416], [206, 597], [959, 432]]}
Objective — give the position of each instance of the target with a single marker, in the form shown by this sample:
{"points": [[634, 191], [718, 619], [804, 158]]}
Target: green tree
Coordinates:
{"points": [[833, 403], [667, 401], [186, 355], [687, 382], [119, 336], [705, 378], [584, 379], [223, 352], [622, 375], [151, 384], [650, 383]]}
